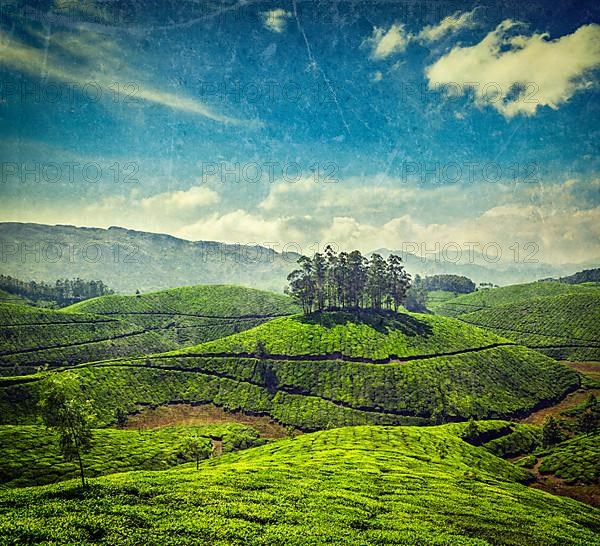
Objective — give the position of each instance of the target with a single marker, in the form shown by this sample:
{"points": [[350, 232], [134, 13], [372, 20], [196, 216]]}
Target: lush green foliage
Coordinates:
{"points": [[33, 337], [366, 335], [29, 454], [517, 293], [348, 281], [202, 300], [566, 327], [352, 486], [577, 460], [587, 275], [450, 283]]}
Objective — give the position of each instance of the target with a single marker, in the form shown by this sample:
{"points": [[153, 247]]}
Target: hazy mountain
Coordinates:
{"points": [[478, 268], [127, 260]]}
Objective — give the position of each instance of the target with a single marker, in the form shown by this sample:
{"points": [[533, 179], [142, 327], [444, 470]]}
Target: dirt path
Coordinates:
{"points": [[204, 414], [572, 400]]}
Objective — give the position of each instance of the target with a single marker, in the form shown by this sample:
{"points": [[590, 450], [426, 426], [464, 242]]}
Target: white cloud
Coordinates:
{"points": [[517, 74], [181, 200], [451, 23], [384, 43], [276, 19]]}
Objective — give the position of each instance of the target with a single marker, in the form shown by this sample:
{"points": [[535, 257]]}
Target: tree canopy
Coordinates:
{"points": [[348, 280]]}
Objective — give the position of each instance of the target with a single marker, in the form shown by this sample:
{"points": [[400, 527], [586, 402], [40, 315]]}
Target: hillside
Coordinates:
{"points": [[116, 326], [30, 456], [518, 293], [330, 369], [127, 260], [6, 297], [191, 314], [563, 327], [353, 486], [33, 337]]}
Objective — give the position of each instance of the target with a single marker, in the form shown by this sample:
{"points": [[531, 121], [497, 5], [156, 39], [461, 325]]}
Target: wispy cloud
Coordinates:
{"points": [[449, 24], [87, 57]]}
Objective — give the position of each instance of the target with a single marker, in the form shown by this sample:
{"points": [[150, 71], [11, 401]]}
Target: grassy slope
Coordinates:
{"points": [[517, 293], [32, 337], [436, 298], [576, 461], [566, 326], [192, 314], [29, 454], [7, 297], [367, 335], [134, 325], [206, 300], [351, 486], [314, 394]]}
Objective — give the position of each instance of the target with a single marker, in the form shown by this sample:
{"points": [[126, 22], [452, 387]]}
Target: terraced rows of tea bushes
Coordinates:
{"points": [[367, 335], [517, 293], [576, 461], [351, 486], [33, 337], [29, 454], [561, 326], [316, 394], [202, 300]]}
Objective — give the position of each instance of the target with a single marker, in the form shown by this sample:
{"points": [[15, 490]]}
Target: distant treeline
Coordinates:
{"points": [[450, 283], [587, 275], [62, 292], [348, 281]]}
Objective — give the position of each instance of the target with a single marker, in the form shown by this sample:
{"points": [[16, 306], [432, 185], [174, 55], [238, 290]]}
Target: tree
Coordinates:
{"points": [[121, 417], [196, 446], [589, 418], [551, 433], [399, 280], [471, 432], [71, 417]]}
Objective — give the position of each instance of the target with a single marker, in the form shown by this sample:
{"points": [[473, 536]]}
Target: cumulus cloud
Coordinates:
{"points": [[384, 43], [276, 19], [517, 74], [451, 23]]}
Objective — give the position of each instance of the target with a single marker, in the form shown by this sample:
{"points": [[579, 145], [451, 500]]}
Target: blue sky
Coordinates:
{"points": [[367, 124]]}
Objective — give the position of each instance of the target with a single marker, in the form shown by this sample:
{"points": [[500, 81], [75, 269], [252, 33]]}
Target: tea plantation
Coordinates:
{"points": [[330, 370], [353, 486]]}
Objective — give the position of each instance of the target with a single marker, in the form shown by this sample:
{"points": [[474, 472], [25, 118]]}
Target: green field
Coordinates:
{"points": [[563, 327], [352, 486], [117, 326], [516, 293], [329, 370], [30, 454], [33, 337], [560, 320], [576, 461]]}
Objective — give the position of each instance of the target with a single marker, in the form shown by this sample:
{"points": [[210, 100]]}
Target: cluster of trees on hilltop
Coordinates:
{"points": [[348, 280], [450, 283], [63, 291]]}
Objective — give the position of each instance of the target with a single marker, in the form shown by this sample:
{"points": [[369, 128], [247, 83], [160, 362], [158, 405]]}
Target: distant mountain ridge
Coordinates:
{"points": [[127, 260]]}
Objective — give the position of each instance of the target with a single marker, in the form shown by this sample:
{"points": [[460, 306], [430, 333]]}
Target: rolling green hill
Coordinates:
{"points": [[325, 370], [33, 337], [352, 486], [191, 314], [517, 293], [6, 297], [117, 326], [29, 455], [563, 327]]}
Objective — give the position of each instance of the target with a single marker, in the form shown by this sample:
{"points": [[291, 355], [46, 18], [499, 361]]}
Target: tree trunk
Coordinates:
{"points": [[81, 469]]}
